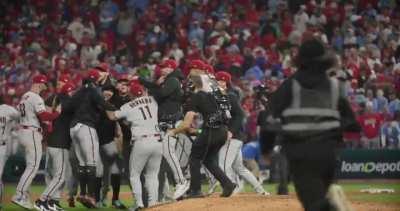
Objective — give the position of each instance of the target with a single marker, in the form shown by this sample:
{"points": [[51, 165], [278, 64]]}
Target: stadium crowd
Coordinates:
{"points": [[256, 41]]}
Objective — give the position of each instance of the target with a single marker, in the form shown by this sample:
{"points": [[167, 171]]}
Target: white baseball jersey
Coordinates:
{"points": [[142, 114], [8, 116], [30, 106]]}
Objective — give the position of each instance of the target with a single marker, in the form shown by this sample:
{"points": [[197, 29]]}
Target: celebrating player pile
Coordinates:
{"points": [[91, 124]]}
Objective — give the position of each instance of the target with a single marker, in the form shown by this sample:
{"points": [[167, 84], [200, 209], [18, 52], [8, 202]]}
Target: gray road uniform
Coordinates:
{"points": [[57, 153], [146, 152], [8, 117], [29, 136]]}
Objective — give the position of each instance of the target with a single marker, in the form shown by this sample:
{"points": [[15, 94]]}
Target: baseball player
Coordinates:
{"points": [[109, 132], [146, 153], [57, 154], [8, 118], [119, 99], [29, 135], [230, 155], [168, 93], [86, 104]]}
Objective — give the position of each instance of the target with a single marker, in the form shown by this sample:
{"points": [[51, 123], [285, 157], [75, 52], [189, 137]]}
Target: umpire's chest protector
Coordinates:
{"points": [[311, 110]]}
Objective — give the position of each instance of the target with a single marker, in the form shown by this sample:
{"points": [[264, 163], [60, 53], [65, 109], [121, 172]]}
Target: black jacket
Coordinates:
{"points": [[86, 105], [60, 137], [281, 100], [169, 96], [119, 101]]}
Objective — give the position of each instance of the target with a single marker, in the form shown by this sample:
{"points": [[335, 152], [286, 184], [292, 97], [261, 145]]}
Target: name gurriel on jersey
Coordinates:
{"points": [[140, 101]]}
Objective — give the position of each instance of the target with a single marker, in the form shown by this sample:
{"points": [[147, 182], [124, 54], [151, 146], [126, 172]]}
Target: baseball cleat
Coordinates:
{"points": [[85, 202], [193, 195], [41, 205], [136, 208], [22, 202], [91, 202], [228, 191], [181, 189], [71, 202], [54, 205], [338, 199], [264, 193], [118, 205]]}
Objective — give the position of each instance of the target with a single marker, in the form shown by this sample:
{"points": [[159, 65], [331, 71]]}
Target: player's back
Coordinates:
{"points": [[30, 105], [7, 115], [142, 116]]}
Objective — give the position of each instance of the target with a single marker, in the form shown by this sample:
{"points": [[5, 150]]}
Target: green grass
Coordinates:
{"points": [[352, 190]]}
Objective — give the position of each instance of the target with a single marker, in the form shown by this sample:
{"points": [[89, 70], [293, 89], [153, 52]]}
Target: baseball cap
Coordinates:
{"points": [[93, 74], [170, 63], [196, 64], [137, 89], [40, 79], [209, 69], [223, 76], [64, 78], [68, 87]]}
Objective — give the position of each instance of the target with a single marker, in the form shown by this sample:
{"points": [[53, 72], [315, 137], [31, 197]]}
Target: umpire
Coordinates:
{"points": [[314, 112]]}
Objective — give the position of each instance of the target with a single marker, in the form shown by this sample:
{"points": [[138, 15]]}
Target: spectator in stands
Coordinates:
{"points": [[370, 123], [380, 102], [390, 137], [394, 103]]}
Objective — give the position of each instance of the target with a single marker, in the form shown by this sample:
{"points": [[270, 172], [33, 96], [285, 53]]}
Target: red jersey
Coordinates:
{"points": [[371, 124]]}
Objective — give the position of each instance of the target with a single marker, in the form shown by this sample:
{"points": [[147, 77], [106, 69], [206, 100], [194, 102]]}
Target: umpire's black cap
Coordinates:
{"points": [[313, 51]]}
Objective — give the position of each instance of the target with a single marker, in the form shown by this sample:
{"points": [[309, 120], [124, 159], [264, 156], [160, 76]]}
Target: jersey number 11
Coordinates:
{"points": [[144, 114]]}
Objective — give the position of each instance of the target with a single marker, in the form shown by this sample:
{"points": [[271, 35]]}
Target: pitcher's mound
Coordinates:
{"points": [[253, 202]]}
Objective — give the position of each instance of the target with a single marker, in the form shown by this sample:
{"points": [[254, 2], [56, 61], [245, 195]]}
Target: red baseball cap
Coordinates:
{"points": [[68, 87], [40, 79], [64, 78], [223, 76], [137, 89], [93, 74], [196, 64], [209, 69], [170, 63]]}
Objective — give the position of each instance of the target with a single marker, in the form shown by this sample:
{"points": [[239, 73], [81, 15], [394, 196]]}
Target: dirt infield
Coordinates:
{"points": [[252, 202]]}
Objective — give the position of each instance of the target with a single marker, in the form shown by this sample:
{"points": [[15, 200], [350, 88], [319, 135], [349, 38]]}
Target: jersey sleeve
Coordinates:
{"points": [[38, 105], [121, 113]]}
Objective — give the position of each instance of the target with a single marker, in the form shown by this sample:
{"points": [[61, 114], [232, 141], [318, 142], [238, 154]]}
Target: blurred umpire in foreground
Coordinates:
{"points": [[313, 112]]}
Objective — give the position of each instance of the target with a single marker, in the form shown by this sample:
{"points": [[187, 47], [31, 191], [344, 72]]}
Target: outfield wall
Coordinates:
{"points": [[352, 164], [369, 164]]}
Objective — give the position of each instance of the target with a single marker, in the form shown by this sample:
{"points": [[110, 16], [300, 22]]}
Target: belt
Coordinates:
{"points": [[148, 136], [31, 128]]}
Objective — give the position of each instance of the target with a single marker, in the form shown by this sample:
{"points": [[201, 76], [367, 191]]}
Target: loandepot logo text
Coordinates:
{"points": [[370, 167]]}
